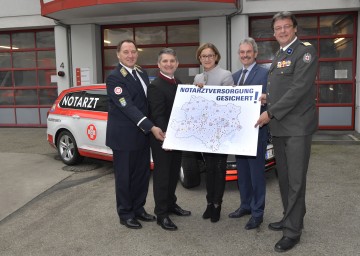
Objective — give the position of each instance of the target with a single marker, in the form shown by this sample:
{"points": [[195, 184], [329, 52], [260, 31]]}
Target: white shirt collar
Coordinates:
{"points": [[249, 68], [127, 68], [287, 46]]}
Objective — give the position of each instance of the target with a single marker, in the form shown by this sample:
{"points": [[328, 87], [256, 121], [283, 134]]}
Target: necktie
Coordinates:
{"points": [[137, 79], [241, 82]]}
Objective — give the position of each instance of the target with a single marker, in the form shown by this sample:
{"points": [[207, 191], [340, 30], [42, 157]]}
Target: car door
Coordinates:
{"points": [[90, 122]]}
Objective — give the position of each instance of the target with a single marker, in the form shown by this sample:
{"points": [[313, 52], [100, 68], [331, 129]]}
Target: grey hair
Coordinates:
{"points": [[167, 51], [250, 41], [284, 15]]}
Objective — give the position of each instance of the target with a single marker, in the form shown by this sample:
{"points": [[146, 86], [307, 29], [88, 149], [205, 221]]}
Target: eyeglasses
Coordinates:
{"points": [[210, 56], [285, 27]]}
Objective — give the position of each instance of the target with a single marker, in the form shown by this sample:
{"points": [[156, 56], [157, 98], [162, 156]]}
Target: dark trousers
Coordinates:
{"points": [[167, 166], [215, 177], [292, 160], [251, 180], [132, 173]]}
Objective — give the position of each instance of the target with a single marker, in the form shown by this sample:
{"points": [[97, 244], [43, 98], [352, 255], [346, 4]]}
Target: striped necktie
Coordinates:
{"points": [[242, 79]]}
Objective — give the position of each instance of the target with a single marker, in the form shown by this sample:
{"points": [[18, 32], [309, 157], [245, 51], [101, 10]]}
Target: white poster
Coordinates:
{"points": [[215, 119]]}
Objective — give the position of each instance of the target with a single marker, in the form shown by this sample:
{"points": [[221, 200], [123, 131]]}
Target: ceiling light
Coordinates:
{"points": [[338, 40]]}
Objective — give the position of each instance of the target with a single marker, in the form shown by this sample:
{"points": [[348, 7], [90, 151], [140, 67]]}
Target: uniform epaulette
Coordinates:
{"points": [[123, 71], [138, 68], [306, 43]]}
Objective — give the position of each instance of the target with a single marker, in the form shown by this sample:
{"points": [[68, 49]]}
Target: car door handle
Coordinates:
{"points": [[76, 117]]}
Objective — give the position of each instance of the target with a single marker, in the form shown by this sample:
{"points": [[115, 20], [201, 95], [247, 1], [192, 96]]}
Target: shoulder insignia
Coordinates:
{"points": [[123, 102], [123, 71], [306, 43], [117, 90], [138, 68], [307, 57]]}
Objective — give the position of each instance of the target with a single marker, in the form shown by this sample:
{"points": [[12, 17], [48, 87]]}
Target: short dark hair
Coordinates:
{"points": [[284, 15], [125, 41], [212, 47], [167, 51]]}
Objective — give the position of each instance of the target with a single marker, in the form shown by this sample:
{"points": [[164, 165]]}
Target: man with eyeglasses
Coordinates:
{"points": [[291, 112], [251, 169]]}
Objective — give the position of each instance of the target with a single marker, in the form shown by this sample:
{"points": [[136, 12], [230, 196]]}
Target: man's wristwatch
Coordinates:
{"points": [[271, 116]]}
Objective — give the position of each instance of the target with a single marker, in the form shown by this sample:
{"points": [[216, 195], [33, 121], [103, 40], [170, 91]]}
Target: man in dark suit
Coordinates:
{"points": [[167, 163], [291, 94], [127, 135], [251, 169]]}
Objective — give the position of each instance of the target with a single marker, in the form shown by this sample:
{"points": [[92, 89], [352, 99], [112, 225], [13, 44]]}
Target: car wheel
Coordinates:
{"points": [[190, 170], [67, 149]]}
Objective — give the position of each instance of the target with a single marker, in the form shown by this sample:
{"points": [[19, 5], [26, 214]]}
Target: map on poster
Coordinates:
{"points": [[215, 119]]}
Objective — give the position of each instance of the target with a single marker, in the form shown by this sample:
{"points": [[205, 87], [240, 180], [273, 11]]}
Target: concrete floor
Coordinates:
{"points": [[47, 210]]}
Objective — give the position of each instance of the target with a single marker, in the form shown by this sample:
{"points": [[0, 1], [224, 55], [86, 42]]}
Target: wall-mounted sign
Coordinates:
{"points": [[82, 76]]}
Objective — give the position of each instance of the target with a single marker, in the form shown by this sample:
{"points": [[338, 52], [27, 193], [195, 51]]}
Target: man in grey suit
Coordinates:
{"points": [[291, 111]]}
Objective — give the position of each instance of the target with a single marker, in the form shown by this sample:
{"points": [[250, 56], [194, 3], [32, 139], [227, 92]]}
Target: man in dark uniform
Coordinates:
{"points": [[291, 94], [127, 135], [167, 163], [251, 169]]}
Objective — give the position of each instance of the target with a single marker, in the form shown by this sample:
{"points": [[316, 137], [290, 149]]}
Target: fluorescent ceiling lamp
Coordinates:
{"points": [[107, 42], [338, 40], [8, 47]]}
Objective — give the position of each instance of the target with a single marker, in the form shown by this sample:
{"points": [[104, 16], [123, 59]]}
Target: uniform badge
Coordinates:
{"points": [[307, 57], [289, 51], [284, 63], [117, 90], [122, 101], [123, 71]]}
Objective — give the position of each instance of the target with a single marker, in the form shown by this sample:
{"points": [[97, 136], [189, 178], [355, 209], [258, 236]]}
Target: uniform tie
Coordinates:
{"points": [[135, 76], [242, 79], [137, 79]]}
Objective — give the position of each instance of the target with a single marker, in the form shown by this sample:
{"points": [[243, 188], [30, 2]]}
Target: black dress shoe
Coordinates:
{"points": [[166, 223], [145, 217], [239, 213], [276, 226], [131, 223], [208, 211], [179, 211], [286, 243], [253, 223], [215, 214]]}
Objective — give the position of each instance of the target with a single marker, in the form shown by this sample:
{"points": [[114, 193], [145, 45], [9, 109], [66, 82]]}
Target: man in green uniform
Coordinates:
{"points": [[290, 99]]}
